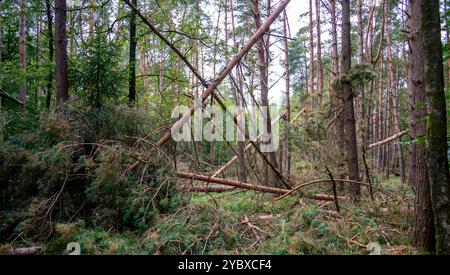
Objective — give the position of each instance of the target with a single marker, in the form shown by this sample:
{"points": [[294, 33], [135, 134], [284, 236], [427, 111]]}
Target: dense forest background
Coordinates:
{"points": [[87, 91]]}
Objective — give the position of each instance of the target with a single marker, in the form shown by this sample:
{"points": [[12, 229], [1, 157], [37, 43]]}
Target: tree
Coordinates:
{"points": [[311, 55], [264, 79], [437, 147], [50, 53], [418, 172], [347, 93], [237, 90], [394, 94], [132, 59], [62, 93], [319, 54], [285, 151], [22, 51], [336, 98]]}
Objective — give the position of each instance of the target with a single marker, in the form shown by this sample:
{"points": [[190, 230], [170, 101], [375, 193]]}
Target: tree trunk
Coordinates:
{"points": [[337, 102], [394, 94], [350, 132], [132, 59], [91, 19], [62, 87], [22, 51], [236, 86], [437, 147], [311, 55], [418, 172], [319, 55], [50, 53], [263, 70], [286, 158]]}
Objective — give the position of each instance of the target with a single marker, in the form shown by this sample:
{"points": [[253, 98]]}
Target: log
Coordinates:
{"points": [[26, 250], [323, 197], [209, 189], [394, 137], [243, 185]]}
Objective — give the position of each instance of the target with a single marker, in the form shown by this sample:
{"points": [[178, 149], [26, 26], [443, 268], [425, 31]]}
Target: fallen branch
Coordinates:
{"points": [[328, 180], [334, 190], [394, 137], [367, 173], [7, 96], [249, 145], [233, 183]]}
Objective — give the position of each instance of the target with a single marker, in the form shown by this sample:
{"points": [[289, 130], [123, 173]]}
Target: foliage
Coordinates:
{"points": [[53, 175]]}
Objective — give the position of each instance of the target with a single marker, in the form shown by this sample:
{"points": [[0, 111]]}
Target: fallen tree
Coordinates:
{"points": [[234, 183], [210, 88], [209, 189]]}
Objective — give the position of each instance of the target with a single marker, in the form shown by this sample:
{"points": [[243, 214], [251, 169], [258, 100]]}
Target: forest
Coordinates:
{"points": [[224, 127]]}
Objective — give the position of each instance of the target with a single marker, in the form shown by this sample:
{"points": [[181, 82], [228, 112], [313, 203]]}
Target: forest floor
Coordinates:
{"points": [[245, 222]]}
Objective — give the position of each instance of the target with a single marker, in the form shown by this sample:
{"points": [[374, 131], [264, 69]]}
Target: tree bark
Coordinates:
{"points": [[418, 173], [350, 132], [62, 87], [437, 147]]}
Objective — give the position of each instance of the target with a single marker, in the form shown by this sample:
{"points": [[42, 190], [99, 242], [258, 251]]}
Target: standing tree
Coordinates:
{"points": [[22, 51], [285, 151], [264, 79], [50, 53], [62, 93], [347, 93], [319, 54], [418, 172], [132, 59], [311, 54], [437, 147]]}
